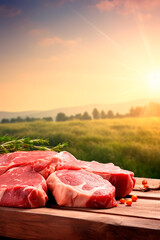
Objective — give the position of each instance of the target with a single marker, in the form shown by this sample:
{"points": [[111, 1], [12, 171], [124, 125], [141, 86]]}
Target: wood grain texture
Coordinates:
{"points": [[66, 224], [152, 194], [140, 221], [143, 208]]}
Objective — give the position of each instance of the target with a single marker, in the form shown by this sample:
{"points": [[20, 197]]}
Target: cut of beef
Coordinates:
{"points": [[42, 161], [74, 183], [123, 180], [79, 188], [22, 187]]}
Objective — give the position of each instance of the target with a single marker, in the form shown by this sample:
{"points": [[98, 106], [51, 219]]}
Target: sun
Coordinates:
{"points": [[154, 80]]}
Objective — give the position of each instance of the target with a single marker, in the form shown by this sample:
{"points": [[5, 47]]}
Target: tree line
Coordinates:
{"points": [[96, 114], [150, 110], [26, 119]]}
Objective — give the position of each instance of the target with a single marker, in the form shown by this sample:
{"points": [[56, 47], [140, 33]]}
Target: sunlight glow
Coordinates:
{"points": [[154, 80]]}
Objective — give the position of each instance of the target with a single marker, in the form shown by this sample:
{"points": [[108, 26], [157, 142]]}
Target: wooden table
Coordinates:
{"points": [[139, 221]]}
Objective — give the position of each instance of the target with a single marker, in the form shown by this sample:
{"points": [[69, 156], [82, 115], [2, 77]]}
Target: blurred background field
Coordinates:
{"points": [[131, 143]]}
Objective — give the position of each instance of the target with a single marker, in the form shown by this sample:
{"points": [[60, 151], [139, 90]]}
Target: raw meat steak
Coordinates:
{"points": [[42, 161], [123, 180], [79, 188], [22, 187]]}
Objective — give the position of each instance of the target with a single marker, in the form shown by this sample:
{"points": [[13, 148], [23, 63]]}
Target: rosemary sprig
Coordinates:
{"points": [[12, 144]]}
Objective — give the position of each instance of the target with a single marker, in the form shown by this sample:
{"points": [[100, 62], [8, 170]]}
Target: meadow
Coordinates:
{"points": [[131, 143]]}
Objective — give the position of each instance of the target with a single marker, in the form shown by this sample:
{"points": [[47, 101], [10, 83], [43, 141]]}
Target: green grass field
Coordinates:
{"points": [[131, 143]]}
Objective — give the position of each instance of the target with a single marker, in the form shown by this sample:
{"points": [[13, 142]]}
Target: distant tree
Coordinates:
{"points": [[19, 119], [61, 117], [78, 116], [48, 119], [5, 120], [27, 119], [103, 114], [139, 111], [70, 117], [86, 116], [136, 112], [153, 109], [110, 114], [131, 111], [13, 120], [118, 115], [96, 114], [150, 110]]}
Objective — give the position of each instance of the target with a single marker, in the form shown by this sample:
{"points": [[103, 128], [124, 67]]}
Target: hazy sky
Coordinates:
{"points": [[61, 53]]}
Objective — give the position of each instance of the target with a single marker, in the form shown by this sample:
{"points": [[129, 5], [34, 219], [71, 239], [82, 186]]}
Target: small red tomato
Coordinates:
{"points": [[144, 182], [129, 202], [122, 200], [146, 186], [134, 198]]}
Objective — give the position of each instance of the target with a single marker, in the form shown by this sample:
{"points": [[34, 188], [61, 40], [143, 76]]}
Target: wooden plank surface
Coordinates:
{"points": [[150, 181], [71, 224], [152, 193], [139, 221], [143, 208]]}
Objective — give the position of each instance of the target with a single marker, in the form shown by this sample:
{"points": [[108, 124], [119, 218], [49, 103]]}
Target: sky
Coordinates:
{"points": [[65, 53]]}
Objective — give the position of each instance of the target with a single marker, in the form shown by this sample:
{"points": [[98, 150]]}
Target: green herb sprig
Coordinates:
{"points": [[11, 144]]}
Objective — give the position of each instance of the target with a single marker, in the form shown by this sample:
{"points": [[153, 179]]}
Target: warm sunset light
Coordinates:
{"points": [[80, 119], [154, 80], [66, 53]]}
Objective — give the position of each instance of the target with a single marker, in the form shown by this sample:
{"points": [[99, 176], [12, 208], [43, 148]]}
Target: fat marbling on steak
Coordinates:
{"points": [[123, 180], [42, 161], [79, 188], [22, 187]]}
